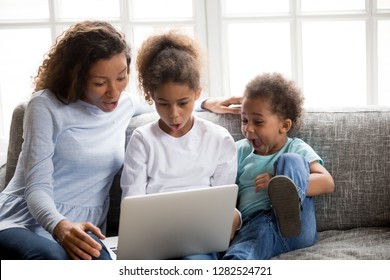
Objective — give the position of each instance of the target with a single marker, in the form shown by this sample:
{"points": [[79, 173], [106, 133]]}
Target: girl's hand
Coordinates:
{"points": [[237, 222], [261, 181], [76, 241]]}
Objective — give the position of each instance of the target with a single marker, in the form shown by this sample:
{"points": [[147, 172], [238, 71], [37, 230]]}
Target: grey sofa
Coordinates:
{"points": [[354, 221]]}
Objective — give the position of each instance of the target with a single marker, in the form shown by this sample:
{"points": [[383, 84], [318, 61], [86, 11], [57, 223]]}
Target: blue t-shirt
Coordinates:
{"points": [[251, 165]]}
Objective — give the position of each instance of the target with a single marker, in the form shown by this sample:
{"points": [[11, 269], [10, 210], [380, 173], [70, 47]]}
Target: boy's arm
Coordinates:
{"points": [[320, 181]]}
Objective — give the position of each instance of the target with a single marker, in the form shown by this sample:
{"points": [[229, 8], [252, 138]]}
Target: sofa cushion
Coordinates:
{"points": [[353, 244], [15, 141], [2, 177], [355, 145]]}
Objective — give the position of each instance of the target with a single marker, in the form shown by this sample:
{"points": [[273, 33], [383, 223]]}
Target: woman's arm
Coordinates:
{"points": [[223, 105], [220, 105], [40, 129]]}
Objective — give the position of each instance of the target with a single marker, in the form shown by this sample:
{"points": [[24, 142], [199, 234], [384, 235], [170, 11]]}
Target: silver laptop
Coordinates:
{"points": [[174, 224]]}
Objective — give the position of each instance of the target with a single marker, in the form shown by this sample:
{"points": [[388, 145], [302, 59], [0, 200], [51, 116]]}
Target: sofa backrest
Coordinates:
{"points": [[354, 144]]}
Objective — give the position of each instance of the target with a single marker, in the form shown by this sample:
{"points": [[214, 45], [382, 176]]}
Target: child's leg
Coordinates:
{"points": [[286, 205], [258, 239], [297, 169], [308, 235], [287, 189], [298, 210]]}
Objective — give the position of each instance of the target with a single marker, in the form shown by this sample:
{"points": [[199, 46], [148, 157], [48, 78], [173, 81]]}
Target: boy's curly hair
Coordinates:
{"points": [[169, 57], [66, 67], [285, 97]]}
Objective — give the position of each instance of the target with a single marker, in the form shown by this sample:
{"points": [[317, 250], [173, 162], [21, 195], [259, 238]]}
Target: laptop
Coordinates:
{"points": [[175, 224]]}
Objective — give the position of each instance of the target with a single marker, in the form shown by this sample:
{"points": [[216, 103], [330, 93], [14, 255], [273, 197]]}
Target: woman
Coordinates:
{"points": [[55, 206]]}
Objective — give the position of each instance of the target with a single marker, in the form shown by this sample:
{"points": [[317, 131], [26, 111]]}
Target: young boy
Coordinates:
{"points": [[277, 175]]}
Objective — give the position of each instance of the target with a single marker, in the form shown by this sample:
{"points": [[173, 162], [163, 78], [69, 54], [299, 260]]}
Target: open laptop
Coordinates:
{"points": [[172, 225]]}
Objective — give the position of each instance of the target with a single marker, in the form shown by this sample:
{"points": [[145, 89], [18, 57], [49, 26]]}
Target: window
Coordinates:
{"points": [[31, 26], [336, 50]]}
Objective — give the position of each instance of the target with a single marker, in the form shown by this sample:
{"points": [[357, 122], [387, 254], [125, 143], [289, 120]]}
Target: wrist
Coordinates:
{"points": [[238, 213], [203, 104]]}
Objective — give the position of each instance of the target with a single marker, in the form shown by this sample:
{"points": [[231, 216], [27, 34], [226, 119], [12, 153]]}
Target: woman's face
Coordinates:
{"points": [[107, 79], [175, 103]]}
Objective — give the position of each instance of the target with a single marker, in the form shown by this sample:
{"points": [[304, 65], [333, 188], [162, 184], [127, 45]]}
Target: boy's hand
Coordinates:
{"points": [[261, 181]]}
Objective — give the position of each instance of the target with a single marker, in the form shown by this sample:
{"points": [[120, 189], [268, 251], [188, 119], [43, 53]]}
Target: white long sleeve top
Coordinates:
{"points": [[69, 158], [157, 162]]}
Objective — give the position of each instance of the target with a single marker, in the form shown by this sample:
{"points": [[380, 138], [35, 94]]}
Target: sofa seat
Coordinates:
{"points": [[368, 243]]}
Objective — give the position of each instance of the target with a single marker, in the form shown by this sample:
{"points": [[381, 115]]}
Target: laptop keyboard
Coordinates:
{"points": [[114, 249]]}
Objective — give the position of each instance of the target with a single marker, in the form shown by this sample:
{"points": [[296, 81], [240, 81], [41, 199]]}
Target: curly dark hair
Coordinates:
{"points": [[169, 57], [66, 67], [285, 97]]}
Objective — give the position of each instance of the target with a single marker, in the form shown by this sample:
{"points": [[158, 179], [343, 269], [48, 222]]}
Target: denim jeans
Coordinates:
{"points": [[260, 237], [210, 256], [23, 244]]}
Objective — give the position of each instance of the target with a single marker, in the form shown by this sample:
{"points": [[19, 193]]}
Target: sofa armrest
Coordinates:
{"points": [[15, 141], [2, 177]]}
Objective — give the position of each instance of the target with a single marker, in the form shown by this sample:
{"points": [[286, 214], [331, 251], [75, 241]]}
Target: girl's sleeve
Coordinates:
{"points": [[226, 170], [40, 130], [134, 173]]}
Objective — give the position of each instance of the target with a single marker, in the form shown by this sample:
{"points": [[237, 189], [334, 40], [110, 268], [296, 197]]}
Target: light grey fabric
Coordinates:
{"points": [[355, 146], [2, 177], [353, 244], [15, 141]]}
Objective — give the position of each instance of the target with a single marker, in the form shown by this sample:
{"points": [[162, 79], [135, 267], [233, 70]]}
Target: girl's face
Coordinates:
{"points": [[106, 80], [265, 130], [175, 103]]}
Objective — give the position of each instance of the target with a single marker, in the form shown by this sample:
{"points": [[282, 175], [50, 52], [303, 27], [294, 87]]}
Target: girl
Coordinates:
{"points": [[178, 150]]}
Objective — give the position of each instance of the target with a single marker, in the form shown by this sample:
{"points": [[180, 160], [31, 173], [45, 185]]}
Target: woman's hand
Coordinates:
{"points": [[76, 241], [223, 105], [261, 181]]}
